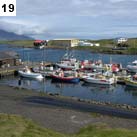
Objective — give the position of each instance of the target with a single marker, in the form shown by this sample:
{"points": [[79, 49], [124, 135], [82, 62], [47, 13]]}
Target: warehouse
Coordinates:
{"points": [[8, 59], [64, 42]]}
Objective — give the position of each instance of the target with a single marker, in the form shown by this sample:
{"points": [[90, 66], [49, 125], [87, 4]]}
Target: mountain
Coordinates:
{"points": [[5, 35]]}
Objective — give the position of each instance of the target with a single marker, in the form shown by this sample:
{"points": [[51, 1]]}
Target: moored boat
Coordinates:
{"points": [[122, 76], [28, 74], [121, 79], [100, 79], [89, 65], [132, 67], [131, 81], [60, 77]]}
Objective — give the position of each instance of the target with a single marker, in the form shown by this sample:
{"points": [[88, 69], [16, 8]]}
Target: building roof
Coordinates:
{"points": [[8, 55], [38, 41], [66, 39]]}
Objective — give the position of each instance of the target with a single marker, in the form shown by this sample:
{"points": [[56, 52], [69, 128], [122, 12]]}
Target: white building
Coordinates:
{"points": [[121, 40], [85, 43], [96, 44]]}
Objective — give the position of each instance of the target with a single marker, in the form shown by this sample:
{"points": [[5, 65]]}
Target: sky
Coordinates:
{"points": [[83, 19]]}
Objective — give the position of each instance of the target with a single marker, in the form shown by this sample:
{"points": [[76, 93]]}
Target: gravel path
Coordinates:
{"points": [[13, 101]]}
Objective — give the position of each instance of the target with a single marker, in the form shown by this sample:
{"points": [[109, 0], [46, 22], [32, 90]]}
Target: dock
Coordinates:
{"points": [[12, 70]]}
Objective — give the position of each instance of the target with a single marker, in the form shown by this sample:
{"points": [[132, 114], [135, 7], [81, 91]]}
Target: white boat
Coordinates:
{"points": [[45, 71], [99, 79], [68, 62], [132, 67], [28, 74], [65, 65], [86, 64]]}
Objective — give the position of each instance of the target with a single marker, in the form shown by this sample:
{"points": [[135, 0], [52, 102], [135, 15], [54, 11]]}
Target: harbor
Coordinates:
{"points": [[68, 68], [113, 94]]}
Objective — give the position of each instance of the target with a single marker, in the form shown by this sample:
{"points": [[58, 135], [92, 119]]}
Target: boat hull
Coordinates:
{"points": [[66, 67], [132, 68], [131, 83], [30, 75], [99, 81], [65, 79]]}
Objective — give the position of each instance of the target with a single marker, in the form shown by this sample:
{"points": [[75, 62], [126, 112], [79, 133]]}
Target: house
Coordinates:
{"points": [[64, 42], [40, 43], [9, 58]]}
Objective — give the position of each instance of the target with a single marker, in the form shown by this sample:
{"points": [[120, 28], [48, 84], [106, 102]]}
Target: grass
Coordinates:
{"points": [[19, 43], [106, 46], [95, 115], [16, 126], [102, 130]]}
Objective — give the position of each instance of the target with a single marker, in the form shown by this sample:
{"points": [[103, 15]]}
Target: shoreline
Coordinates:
{"points": [[59, 114], [123, 107], [115, 52]]}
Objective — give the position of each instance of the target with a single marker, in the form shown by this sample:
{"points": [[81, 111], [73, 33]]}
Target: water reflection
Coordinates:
{"points": [[115, 94], [29, 83], [131, 90], [61, 86], [99, 87]]}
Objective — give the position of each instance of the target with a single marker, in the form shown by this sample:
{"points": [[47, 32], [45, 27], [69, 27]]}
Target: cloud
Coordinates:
{"points": [[76, 7], [68, 18], [21, 27]]}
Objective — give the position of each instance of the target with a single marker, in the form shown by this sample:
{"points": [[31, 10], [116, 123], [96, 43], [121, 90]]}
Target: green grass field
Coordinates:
{"points": [[19, 43], [16, 126]]}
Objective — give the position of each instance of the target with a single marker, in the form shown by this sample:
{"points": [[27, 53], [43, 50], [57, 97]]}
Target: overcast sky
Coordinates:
{"points": [[91, 19]]}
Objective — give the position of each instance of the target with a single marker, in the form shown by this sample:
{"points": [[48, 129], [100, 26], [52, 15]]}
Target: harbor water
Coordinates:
{"points": [[119, 94]]}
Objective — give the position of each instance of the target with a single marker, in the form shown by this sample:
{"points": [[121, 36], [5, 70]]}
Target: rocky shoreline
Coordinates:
{"points": [[94, 102], [119, 106]]}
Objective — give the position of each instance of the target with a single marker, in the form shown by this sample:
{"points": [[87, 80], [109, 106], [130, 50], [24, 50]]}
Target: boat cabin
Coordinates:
{"points": [[134, 63]]}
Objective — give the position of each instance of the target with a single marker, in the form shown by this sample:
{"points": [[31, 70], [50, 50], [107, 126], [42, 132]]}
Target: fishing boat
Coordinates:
{"points": [[68, 62], [89, 65], [113, 67], [66, 65], [28, 74], [61, 77], [116, 67], [122, 76], [121, 79], [132, 67], [100, 79], [45, 71], [132, 81]]}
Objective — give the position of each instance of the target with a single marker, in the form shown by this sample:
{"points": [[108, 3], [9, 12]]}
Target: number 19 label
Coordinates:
{"points": [[7, 7]]}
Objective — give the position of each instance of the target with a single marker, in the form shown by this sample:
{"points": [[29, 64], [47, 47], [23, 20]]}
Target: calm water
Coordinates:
{"points": [[116, 94]]}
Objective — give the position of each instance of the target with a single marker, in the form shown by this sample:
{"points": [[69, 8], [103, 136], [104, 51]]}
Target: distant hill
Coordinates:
{"points": [[5, 35]]}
